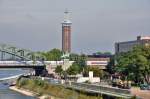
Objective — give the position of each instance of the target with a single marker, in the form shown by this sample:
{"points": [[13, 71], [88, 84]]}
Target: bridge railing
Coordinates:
{"points": [[21, 63]]}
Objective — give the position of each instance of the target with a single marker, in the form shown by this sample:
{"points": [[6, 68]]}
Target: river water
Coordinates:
{"points": [[5, 93]]}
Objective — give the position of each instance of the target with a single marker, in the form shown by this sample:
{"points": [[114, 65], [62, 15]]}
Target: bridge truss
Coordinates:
{"points": [[12, 53]]}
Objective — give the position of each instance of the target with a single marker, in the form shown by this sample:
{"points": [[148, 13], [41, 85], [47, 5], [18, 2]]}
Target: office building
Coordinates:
{"points": [[128, 45], [100, 61]]}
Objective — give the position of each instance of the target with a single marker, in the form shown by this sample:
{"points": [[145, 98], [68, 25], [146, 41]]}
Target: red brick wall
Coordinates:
{"points": [[66, 38]]}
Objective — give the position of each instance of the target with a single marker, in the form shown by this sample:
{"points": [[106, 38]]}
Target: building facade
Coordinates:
{"points": [[128, 45], [51, 65], [66, 34], [100, 61]]}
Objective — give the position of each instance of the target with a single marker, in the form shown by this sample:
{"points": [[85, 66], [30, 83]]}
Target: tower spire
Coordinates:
{"points": [[66, 16]]}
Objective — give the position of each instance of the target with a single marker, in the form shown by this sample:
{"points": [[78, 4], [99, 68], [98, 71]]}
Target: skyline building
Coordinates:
{"points": [[128, 45], [66, 33]]}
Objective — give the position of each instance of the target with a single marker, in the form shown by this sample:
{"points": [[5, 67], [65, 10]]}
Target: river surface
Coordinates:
{"points": [[5, 93]]}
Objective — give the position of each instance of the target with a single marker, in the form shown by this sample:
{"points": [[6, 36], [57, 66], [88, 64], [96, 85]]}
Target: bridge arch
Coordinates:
{"points": [[14, 57], [21, 53]]}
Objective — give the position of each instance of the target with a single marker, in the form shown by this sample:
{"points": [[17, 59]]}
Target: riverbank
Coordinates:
{"points": [[43, 88], [29, 93], [20, 90]]}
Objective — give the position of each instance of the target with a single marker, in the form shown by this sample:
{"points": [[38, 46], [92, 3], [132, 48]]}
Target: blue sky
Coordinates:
{"points": [[97, 24]]}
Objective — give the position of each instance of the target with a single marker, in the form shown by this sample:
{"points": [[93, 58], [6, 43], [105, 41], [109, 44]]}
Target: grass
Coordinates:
{"points": [[59, 92], [43, 87]]}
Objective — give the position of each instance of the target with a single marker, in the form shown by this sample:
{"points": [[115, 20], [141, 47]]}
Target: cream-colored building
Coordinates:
{"points": [[100, 61], [51, 65]]}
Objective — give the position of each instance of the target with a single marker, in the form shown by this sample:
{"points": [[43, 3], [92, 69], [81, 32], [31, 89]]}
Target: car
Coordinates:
{"points": [[145, 87], [149, 87]]}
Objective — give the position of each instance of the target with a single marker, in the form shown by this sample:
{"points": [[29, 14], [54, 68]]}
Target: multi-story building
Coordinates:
{"points": [[66, 34], [128, 45], [100, 61]]}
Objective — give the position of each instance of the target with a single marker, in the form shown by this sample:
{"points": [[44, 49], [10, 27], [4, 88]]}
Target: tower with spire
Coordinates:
{"points": [[66, 33]]}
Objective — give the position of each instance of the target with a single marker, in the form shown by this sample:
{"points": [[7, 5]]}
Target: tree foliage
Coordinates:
{"points": [[74, 57], [53, 55], [78, 65], [79, 59], [102, 53], [96, 71], [59, 69], [111, 64], [135, 64], [74, 69]]}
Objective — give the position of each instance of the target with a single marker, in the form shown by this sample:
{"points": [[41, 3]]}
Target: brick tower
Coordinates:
{"points": [[66, 33]]}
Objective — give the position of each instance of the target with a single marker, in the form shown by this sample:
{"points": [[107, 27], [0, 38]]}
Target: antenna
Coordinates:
{"points": [[66, 11], [67, 14]]}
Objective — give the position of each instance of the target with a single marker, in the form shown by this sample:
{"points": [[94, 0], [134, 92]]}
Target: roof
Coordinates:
{"points": [[100, 56]]}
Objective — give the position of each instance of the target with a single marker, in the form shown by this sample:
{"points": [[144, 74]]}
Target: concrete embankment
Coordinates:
{"points": [[20, 90], [29, 93]]}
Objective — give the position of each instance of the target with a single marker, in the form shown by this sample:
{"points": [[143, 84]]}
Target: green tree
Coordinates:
{"points": [[98, 53], [59, 70], [53, 55], [111, 64], [96, 71], [74, 57], [103, 53], [107, 53], [74, 69], [80, 60], [135, 64]]}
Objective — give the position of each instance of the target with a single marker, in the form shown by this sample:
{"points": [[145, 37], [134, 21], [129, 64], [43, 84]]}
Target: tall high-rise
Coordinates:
{"points": [[66, 33]]}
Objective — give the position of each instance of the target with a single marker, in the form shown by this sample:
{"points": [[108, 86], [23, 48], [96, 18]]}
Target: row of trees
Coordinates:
{"points": [[52, 55], [76, 69], [134, 65], [79, 66], [55, 55]]}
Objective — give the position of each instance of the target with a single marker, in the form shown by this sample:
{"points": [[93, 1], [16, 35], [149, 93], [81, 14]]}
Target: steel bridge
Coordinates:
{"points": [[9, 52], [14, 57]]}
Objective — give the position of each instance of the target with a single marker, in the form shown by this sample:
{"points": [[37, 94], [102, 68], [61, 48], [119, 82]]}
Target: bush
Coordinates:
{"points": [[39, 82], [22, 82]]}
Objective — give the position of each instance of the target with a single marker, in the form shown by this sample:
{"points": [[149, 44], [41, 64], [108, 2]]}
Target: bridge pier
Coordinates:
{"points": [[40, 71]]}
